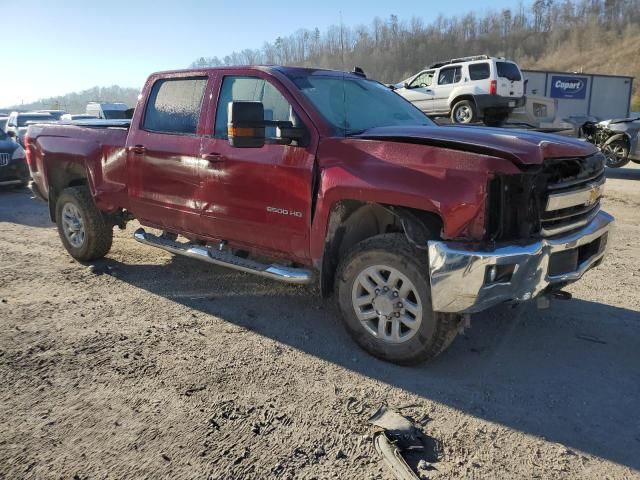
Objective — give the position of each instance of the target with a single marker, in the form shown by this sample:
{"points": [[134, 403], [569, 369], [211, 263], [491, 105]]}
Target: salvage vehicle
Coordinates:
{"points": [[467, 89], [13, 166], [339, 181], [619, 140], [17, 123]]}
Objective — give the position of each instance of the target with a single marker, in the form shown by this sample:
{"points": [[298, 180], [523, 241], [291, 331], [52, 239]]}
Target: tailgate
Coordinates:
{"points": [[510, 81]]}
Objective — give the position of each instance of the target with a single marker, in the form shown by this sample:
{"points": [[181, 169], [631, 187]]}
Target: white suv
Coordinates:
{"points": [[467, 89]]}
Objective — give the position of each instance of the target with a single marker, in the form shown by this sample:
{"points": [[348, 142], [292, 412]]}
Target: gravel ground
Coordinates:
{"points": [[152, 366]]}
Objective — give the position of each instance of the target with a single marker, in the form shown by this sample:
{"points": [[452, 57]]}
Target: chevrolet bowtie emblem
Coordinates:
{"points": [[594, 193]]}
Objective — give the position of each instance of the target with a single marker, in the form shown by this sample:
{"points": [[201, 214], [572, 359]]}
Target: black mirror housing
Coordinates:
{"points": [[246, 124], [11, 134]]}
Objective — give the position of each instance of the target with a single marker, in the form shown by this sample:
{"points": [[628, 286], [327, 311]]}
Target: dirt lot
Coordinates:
{"points": [[150, 366]]}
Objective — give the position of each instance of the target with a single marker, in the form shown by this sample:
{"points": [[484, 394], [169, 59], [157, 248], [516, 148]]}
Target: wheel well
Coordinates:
{"points": [[464, 97], [620, 136], [63, 176], [352, 221]]}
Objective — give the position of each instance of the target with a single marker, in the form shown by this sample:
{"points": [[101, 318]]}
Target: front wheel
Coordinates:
{"points": [[84, 231], [384, 295], [616, 154]]}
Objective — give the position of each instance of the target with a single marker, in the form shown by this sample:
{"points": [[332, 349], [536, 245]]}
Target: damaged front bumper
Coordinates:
{"points": [[466, 280]]}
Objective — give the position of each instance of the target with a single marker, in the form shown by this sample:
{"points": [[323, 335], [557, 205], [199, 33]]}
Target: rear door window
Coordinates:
{"points": [[508, 70], [174, 105], [255, 89], [450, 75], [479, 71]]}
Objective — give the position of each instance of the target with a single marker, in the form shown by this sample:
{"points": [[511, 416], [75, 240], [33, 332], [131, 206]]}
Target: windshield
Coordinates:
{"points": [[508, 70], [115, 114], [355, 105], [23, 119], [3, 136]]}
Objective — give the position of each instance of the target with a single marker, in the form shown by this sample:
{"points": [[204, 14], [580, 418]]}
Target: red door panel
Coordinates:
{"points": [[258, 197]]}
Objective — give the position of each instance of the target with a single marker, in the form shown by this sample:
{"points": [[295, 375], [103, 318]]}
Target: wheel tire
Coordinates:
{"points": [[616, 154], [436, 331], [464, 112], [98, 233]]}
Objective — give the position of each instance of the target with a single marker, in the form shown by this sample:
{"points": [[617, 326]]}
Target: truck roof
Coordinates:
{"points": [[288, 71]]}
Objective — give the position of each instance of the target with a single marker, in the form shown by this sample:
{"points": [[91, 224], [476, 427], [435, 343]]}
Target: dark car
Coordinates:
{"points": [[13, 165], [18, 123]]}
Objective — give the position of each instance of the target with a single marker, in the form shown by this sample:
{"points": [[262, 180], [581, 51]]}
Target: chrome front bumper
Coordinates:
{"points": [[460, 276]]}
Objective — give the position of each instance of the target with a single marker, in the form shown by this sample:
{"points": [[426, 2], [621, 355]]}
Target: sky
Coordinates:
{"points": [[53, 47]]}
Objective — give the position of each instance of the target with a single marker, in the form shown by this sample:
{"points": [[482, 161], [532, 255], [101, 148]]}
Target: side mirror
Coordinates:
{"points": [[406, 85], [246, 124], [11, 134]]}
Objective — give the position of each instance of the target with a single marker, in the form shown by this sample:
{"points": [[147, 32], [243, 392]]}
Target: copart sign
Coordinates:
{"points": [[568, 87]]}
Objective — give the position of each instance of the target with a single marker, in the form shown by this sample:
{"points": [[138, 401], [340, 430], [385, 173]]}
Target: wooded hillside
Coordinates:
{"points": [[595, 36], [77, 102]]}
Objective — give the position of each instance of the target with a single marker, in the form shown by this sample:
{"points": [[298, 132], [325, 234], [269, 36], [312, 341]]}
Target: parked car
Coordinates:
{"points": [[108, 111], [13, 167], [338, 180], [619, 139], [56, 114], [18, 122], [467, 89], [68, 117]]}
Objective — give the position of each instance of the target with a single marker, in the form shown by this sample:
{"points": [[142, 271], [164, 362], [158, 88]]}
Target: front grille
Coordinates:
{"points": [[573, 191], [4, 159], [561, 196]]}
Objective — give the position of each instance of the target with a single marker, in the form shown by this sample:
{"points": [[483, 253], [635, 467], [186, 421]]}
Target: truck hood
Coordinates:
{"points": [[520, 146]]}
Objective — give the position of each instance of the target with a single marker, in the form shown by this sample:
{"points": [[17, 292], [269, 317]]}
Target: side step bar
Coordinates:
{"points": [[297, 276]]}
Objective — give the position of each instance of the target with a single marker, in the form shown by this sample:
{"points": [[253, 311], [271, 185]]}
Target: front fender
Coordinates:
{"points": [[451, 184]]}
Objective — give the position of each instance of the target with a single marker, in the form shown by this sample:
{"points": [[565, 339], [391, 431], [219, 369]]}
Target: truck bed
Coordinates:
{"points": [[97, 123], [89, 149]]}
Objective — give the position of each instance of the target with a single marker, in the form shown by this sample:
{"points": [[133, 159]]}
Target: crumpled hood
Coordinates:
{"points": [[519, 146]]}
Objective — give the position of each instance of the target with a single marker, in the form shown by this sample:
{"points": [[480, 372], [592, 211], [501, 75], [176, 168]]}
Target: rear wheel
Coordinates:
{"points": [[384, 295], [616, 154], [84, 231], [463, 112]]}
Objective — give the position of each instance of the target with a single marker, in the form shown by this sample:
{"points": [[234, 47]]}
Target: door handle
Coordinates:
{"points": [[213, 157], [138, 149]]}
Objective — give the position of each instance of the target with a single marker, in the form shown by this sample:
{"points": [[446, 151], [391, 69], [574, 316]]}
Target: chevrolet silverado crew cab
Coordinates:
{"points": [[467, 89], [337, 180]]}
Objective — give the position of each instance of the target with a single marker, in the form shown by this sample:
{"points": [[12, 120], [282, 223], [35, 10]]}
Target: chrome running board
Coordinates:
{"points": [[225, 259]]}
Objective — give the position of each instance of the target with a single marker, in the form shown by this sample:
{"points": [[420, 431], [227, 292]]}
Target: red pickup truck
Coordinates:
{"points": [[336, 179]]}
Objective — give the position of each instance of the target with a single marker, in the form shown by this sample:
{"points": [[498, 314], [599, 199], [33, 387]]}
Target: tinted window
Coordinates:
{"points": [[508, 70], [174, 105], [122, 115], [23, 119], [479, 71], [357, 105], [450, 75], [255, 89]]}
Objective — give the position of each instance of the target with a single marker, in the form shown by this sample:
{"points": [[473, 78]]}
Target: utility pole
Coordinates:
{"points": [[341, 40]]}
